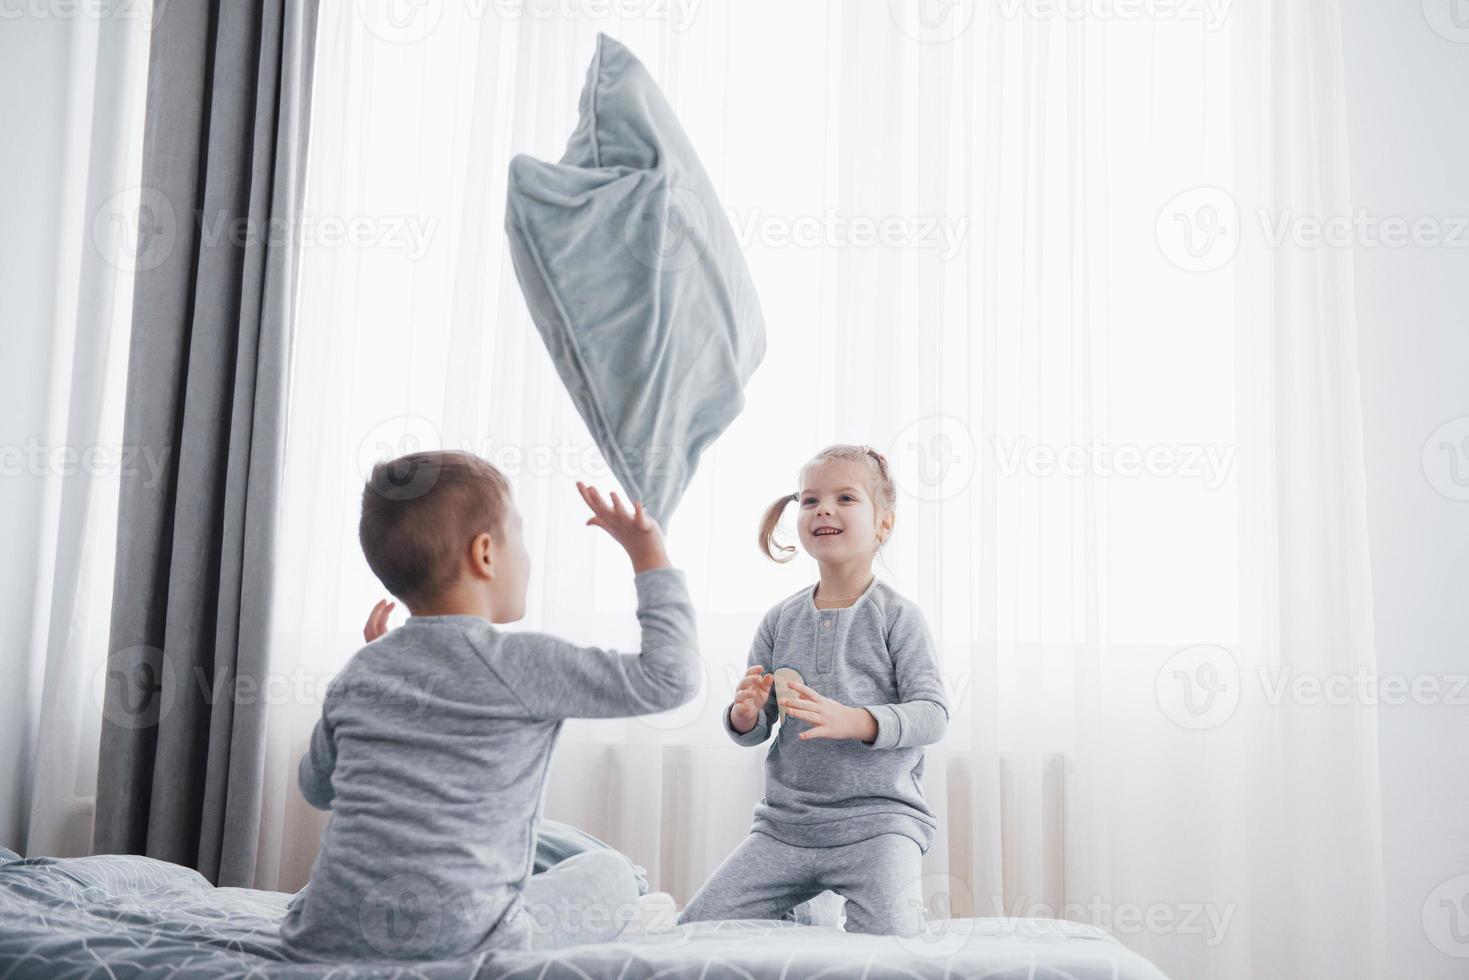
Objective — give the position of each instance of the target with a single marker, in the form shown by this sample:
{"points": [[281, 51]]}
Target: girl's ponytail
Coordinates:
{"points": [[768, 546], [879, 483]]}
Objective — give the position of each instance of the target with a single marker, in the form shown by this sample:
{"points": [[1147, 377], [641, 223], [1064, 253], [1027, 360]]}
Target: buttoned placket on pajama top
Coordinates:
{"points": [[876, 654]]}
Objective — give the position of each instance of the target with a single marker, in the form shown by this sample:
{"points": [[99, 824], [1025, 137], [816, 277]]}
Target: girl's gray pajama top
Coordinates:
{"points": [[875, 654], [839, 815]]}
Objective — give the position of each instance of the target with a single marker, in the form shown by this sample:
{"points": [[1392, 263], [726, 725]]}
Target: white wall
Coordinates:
{"points": [[1410, 157], [33, 74]]}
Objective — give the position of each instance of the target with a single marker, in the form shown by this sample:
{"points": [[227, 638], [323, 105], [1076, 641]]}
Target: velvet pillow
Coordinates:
{"points": [[636, 282]]}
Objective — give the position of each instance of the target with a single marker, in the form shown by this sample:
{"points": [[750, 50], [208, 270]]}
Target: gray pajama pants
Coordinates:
{"points": [[765, 878], [588, 898]]}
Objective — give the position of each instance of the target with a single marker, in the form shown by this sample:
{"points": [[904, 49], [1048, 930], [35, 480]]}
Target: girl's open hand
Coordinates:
{"points": [[633, 529], [828, 718], [751, 693], [377, 620]]}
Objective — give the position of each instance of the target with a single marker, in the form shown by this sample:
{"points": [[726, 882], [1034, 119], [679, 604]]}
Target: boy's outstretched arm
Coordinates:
{"points": [[556, 679]]}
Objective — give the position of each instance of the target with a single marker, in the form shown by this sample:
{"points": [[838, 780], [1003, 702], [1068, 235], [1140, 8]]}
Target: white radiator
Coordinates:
{"points": [[679, 810], [1033, 832]]}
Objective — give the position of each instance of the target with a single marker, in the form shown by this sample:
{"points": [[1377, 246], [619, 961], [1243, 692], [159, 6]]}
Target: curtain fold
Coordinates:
{"points": [[67, 281], [1308, 612], [224, 149]]}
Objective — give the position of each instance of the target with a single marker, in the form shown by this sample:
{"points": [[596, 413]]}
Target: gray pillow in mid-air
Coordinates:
{"points": [[636, 282]]}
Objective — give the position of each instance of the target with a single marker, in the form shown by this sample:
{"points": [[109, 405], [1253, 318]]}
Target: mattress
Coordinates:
{"points": [[125, 916]]}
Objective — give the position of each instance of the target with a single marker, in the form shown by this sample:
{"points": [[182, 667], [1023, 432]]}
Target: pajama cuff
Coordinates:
{"points": [[754, 736], [889, 726]]}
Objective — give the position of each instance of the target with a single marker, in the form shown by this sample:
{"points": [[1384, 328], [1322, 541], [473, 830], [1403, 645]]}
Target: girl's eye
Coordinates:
{"points": [[808, 501], [848, 496]]}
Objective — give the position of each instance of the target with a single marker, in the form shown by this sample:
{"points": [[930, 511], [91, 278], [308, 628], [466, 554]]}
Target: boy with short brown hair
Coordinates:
{"points": [[435, 798]]}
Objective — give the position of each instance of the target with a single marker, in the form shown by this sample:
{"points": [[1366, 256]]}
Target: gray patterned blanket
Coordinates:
{"points": [[122, 916]]}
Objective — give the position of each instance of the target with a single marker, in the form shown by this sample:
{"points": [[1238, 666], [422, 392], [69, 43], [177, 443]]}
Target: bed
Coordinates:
{"points": [[125, 916]]}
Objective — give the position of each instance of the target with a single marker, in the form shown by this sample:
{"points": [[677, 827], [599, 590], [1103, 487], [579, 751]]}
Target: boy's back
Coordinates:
{"points": [[432, 753], [420, 736]]}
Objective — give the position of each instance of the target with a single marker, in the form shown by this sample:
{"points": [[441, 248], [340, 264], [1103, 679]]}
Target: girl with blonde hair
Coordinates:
{"points": [[846, 669]]}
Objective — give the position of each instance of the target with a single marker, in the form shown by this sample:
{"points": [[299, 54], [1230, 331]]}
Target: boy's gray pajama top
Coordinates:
{"points": [[840, 814], [432, 752]]}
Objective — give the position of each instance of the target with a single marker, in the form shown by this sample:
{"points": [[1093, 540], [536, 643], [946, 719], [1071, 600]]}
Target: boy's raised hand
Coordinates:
{"points": [[377, 620], [633, 529], [750, 696]]}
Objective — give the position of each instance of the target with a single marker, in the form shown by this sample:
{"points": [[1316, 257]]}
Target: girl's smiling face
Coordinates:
{"points": [[837, 519]]}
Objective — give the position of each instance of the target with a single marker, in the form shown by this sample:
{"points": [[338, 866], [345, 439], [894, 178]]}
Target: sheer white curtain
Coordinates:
{"points": [[1018, 248], [68, 311]]}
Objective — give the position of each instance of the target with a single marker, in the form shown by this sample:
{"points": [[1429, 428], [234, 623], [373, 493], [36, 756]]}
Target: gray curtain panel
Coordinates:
{"points": [[183, 732]]}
